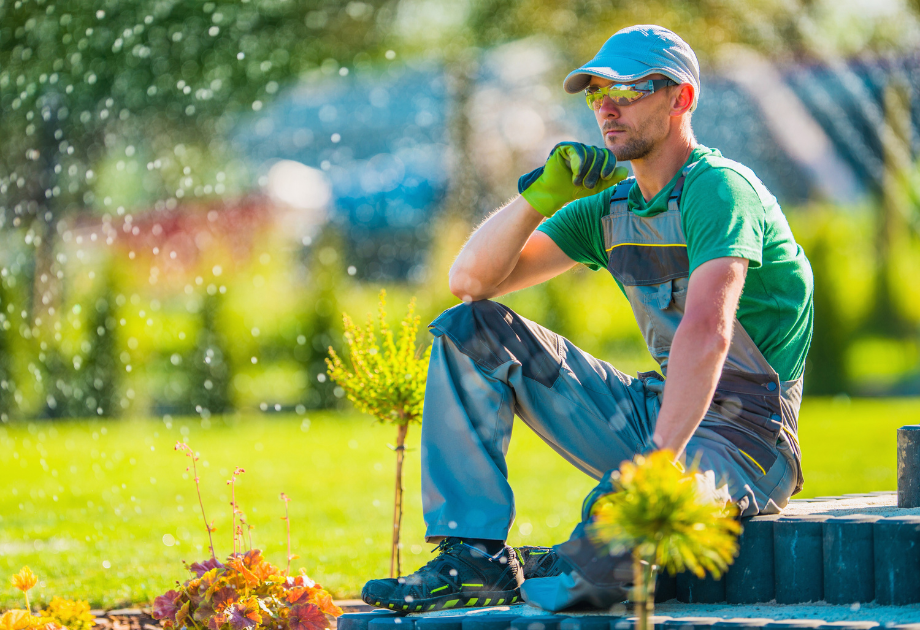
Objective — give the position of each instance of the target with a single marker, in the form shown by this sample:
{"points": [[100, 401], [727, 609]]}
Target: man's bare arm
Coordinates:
{"points": [[699, 349], [505, 254]]}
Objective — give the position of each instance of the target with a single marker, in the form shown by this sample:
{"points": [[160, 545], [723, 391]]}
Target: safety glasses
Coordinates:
{"points": [[624, 94]]}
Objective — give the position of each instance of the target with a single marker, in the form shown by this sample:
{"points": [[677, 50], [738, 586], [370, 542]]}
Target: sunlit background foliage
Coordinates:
{"points": [[192, 192]]}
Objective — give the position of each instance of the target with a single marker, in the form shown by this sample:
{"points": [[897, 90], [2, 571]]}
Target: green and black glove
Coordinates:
{"points": [[572, 171]]}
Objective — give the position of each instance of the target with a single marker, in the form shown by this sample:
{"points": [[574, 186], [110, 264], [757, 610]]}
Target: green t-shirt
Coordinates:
{"points": [[725, 211]]}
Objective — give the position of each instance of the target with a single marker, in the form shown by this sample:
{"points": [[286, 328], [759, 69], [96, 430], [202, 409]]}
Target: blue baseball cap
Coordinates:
{"points": [[636, 52]]}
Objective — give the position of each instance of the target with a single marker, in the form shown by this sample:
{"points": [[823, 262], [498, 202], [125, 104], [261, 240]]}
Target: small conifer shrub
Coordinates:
{"points": [[385, 378], [668, 519]]}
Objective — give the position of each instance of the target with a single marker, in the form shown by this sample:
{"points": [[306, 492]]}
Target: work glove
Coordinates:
{"points": [[572, 171]]}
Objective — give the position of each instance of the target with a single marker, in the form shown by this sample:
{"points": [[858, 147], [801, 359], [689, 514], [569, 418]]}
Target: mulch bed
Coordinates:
{"points": [[125, 619]]}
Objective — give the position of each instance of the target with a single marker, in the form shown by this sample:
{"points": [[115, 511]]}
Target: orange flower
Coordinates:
{"points": [[24, 580]]}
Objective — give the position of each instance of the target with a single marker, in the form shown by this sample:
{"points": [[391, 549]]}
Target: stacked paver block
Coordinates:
{"points": [[909, 466], [500, 621], [694, 590], [593, 622], [543, 622], [689, 623], [361, 621], [798, 565], [811, 558], [896, 546], [506, 620], [751, 578], [848, 548], [439, 623], [391, 622]]}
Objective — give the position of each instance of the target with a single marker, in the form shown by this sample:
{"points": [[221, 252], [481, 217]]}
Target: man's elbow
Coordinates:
{"points": [[465, 287], [714, 337], [721, 341]]}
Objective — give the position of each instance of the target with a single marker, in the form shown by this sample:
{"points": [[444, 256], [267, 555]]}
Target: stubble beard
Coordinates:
{"points": [[636, 143], [634, 148]]}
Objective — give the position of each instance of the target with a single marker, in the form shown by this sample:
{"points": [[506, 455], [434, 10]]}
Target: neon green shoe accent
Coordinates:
{"points": [[500, 602], [486, 603], [418, 608], [479, 585], [376, 603], [405, 607], [472, 602], [451, 603], [514, 599], [440, 588], [430, 608], [391, 605]]}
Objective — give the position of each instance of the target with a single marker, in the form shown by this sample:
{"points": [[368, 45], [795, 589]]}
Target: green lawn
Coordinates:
{"points": [[105, 511]]}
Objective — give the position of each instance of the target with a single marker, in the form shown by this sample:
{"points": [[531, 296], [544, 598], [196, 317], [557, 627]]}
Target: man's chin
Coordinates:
{"points": [[620, 153], [616, 146], [628, 152]]}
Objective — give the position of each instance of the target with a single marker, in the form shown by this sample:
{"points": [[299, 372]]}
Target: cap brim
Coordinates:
{"points": [[579, 79]]}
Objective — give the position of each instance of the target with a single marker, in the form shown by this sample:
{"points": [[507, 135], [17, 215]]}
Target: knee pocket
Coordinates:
{"points": [[491, 334]]}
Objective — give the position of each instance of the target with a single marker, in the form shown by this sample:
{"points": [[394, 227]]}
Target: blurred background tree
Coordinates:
{"points": [[141, 193]]}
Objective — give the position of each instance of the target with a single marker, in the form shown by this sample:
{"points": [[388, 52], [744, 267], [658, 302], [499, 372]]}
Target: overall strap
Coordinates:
{"points": [[619, 199], [674, 199]]}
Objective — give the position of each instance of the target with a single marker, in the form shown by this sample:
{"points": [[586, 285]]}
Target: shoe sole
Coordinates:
{"points": [[471, 599]]}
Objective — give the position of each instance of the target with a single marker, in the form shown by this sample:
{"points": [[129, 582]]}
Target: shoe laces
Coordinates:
{"points": [[443, 547], [446, 545]]}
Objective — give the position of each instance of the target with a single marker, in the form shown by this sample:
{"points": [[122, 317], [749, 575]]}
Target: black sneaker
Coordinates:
{"points": [[541, 562], [460, 576]]}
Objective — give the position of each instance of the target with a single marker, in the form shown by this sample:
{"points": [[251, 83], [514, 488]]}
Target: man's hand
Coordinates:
{"points": [[572, 171]]}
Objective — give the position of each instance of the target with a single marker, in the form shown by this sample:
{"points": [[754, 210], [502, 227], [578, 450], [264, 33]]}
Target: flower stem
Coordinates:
{"points": [[287, 519], [191, 455], [233, 509]]}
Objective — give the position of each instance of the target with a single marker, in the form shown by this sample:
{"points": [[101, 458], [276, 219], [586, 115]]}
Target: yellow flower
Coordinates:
{"points": [[16, 620], [24, 580], [72, 614]]}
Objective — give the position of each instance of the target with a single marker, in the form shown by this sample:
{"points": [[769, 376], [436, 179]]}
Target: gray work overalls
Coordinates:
{"points": [[489, 364], [751, 409]]}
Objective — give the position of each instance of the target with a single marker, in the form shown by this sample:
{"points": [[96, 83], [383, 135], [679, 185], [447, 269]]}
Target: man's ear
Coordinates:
{"points": [[681, 99]]}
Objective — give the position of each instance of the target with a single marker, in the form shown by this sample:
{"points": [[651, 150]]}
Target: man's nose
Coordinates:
{"points": [[608, 108]]}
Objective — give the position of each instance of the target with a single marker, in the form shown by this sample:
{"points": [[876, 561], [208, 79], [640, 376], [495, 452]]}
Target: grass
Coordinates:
{"points": [[105, 511]]}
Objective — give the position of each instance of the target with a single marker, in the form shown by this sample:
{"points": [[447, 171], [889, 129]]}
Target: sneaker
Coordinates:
{"points": [[461, 576], [539, 562]]}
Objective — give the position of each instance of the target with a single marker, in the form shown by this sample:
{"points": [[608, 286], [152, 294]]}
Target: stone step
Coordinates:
{"points": [[840, 550], [522, 617], [837, 552]]}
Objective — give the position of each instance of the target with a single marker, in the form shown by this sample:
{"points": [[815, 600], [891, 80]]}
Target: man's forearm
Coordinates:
{"points": [[493, 250], [699, 349], [695, 364]]}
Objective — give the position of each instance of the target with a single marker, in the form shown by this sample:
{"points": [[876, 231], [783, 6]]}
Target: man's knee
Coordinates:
{"points": [[492, 334]]}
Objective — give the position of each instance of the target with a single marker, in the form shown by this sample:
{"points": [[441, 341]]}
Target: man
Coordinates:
{"points": [[721, 293]]}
